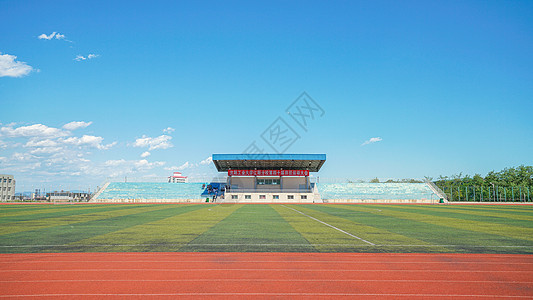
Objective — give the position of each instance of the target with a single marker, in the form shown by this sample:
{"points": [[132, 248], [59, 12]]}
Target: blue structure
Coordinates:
{"points": [[311, 162]]}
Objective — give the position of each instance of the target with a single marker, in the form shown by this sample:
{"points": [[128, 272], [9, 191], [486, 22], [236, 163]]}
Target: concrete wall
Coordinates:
{"points": [[243, 182], [293, 182], [268, 198], [148, 201]]}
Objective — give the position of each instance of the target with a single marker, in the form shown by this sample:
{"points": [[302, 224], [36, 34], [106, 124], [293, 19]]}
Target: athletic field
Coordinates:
{"points": [[505, 229], [282, 251]]}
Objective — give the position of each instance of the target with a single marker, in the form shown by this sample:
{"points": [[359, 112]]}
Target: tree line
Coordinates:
{"points": [[509, 184]]}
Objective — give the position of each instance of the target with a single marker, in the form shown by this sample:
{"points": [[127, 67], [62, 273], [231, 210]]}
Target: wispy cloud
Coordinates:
{"points": [[145, 154], [82, 58], [42, 153], [186, 165], [207, 161], [53, 35], [169, 130], [160, 142], [10, 67], [35, 130], [372, 140], [88, 140], [76, 125]]}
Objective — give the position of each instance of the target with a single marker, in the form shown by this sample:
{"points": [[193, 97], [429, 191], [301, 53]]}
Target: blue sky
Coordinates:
{"points": [[438, 87]]}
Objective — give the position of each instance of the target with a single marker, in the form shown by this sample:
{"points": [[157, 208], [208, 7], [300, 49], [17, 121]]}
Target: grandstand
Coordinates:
{"points": [[329, 192], [376, 192], [267, 178], [150, 191]]}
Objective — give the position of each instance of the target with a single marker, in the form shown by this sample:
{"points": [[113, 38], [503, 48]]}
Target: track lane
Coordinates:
{"points": [[284, 275]]}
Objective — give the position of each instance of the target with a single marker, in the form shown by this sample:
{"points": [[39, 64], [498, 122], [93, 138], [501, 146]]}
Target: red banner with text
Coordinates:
{"points": [[268, 172]]}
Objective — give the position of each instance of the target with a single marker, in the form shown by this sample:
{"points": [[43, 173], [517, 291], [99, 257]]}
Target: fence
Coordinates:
{"points": [[488, 193]]}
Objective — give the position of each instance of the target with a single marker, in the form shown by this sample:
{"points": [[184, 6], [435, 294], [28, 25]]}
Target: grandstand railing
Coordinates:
{"points": [[437, 190]]}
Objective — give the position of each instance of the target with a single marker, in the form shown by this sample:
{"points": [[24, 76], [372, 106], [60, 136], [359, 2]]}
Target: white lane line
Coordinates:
{"points": [[269, 280], [370, 243], [267, 269], [271, 261], [276, 294]]}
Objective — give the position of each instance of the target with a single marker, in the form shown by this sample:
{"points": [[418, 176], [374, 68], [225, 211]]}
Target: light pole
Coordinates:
{"points": [[493, 192]]}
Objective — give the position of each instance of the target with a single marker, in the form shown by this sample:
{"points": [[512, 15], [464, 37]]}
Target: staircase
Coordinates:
{"points": [[93, 198], [316, 195], [437, 190]]}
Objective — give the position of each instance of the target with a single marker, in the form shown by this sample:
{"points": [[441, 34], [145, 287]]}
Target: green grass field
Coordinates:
{"points": [[266, 228]]}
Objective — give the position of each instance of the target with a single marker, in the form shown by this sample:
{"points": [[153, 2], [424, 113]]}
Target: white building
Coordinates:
{"points": [[7, 187], [270, 177], [177, 177]]}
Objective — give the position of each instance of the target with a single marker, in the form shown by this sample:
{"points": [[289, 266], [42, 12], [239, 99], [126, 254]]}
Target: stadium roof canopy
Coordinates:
{"points": [[311, 162]]}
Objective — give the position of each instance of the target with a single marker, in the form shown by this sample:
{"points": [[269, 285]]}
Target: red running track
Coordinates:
{"points": [[266, 275]]}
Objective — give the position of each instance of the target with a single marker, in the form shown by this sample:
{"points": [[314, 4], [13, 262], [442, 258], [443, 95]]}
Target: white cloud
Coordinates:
{"points": [[46, 37], [9, 67], [169, 130], [76, 125], [113, 163], [372, 140], [81, 57], [88, 140], [41, 143], [160, 142], [207, 161], [46, 150], [35, 130], [143, 164], [41, 154], [122, 167], [186, 165], [56, 35], [21, 156]]}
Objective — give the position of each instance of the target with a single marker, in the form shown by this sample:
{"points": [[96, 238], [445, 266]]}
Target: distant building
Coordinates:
{"points": [[177, 177], [66, 196], [7, 188]]}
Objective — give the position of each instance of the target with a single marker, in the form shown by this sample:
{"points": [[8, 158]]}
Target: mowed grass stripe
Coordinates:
{"points": [[253, 227], [38, 209], [322, 237], [487, 224], [515, 209], [514, 232], [442, 238], [53, 239], [57, 212], [107, 212], [349, 223], [487, 216], [167, 234]]}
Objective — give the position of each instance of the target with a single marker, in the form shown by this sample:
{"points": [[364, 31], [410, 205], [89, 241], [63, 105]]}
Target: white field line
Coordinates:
{"points": [[254, 244], [268, 269], [347, 233], [272, 294], [265, 280]]}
